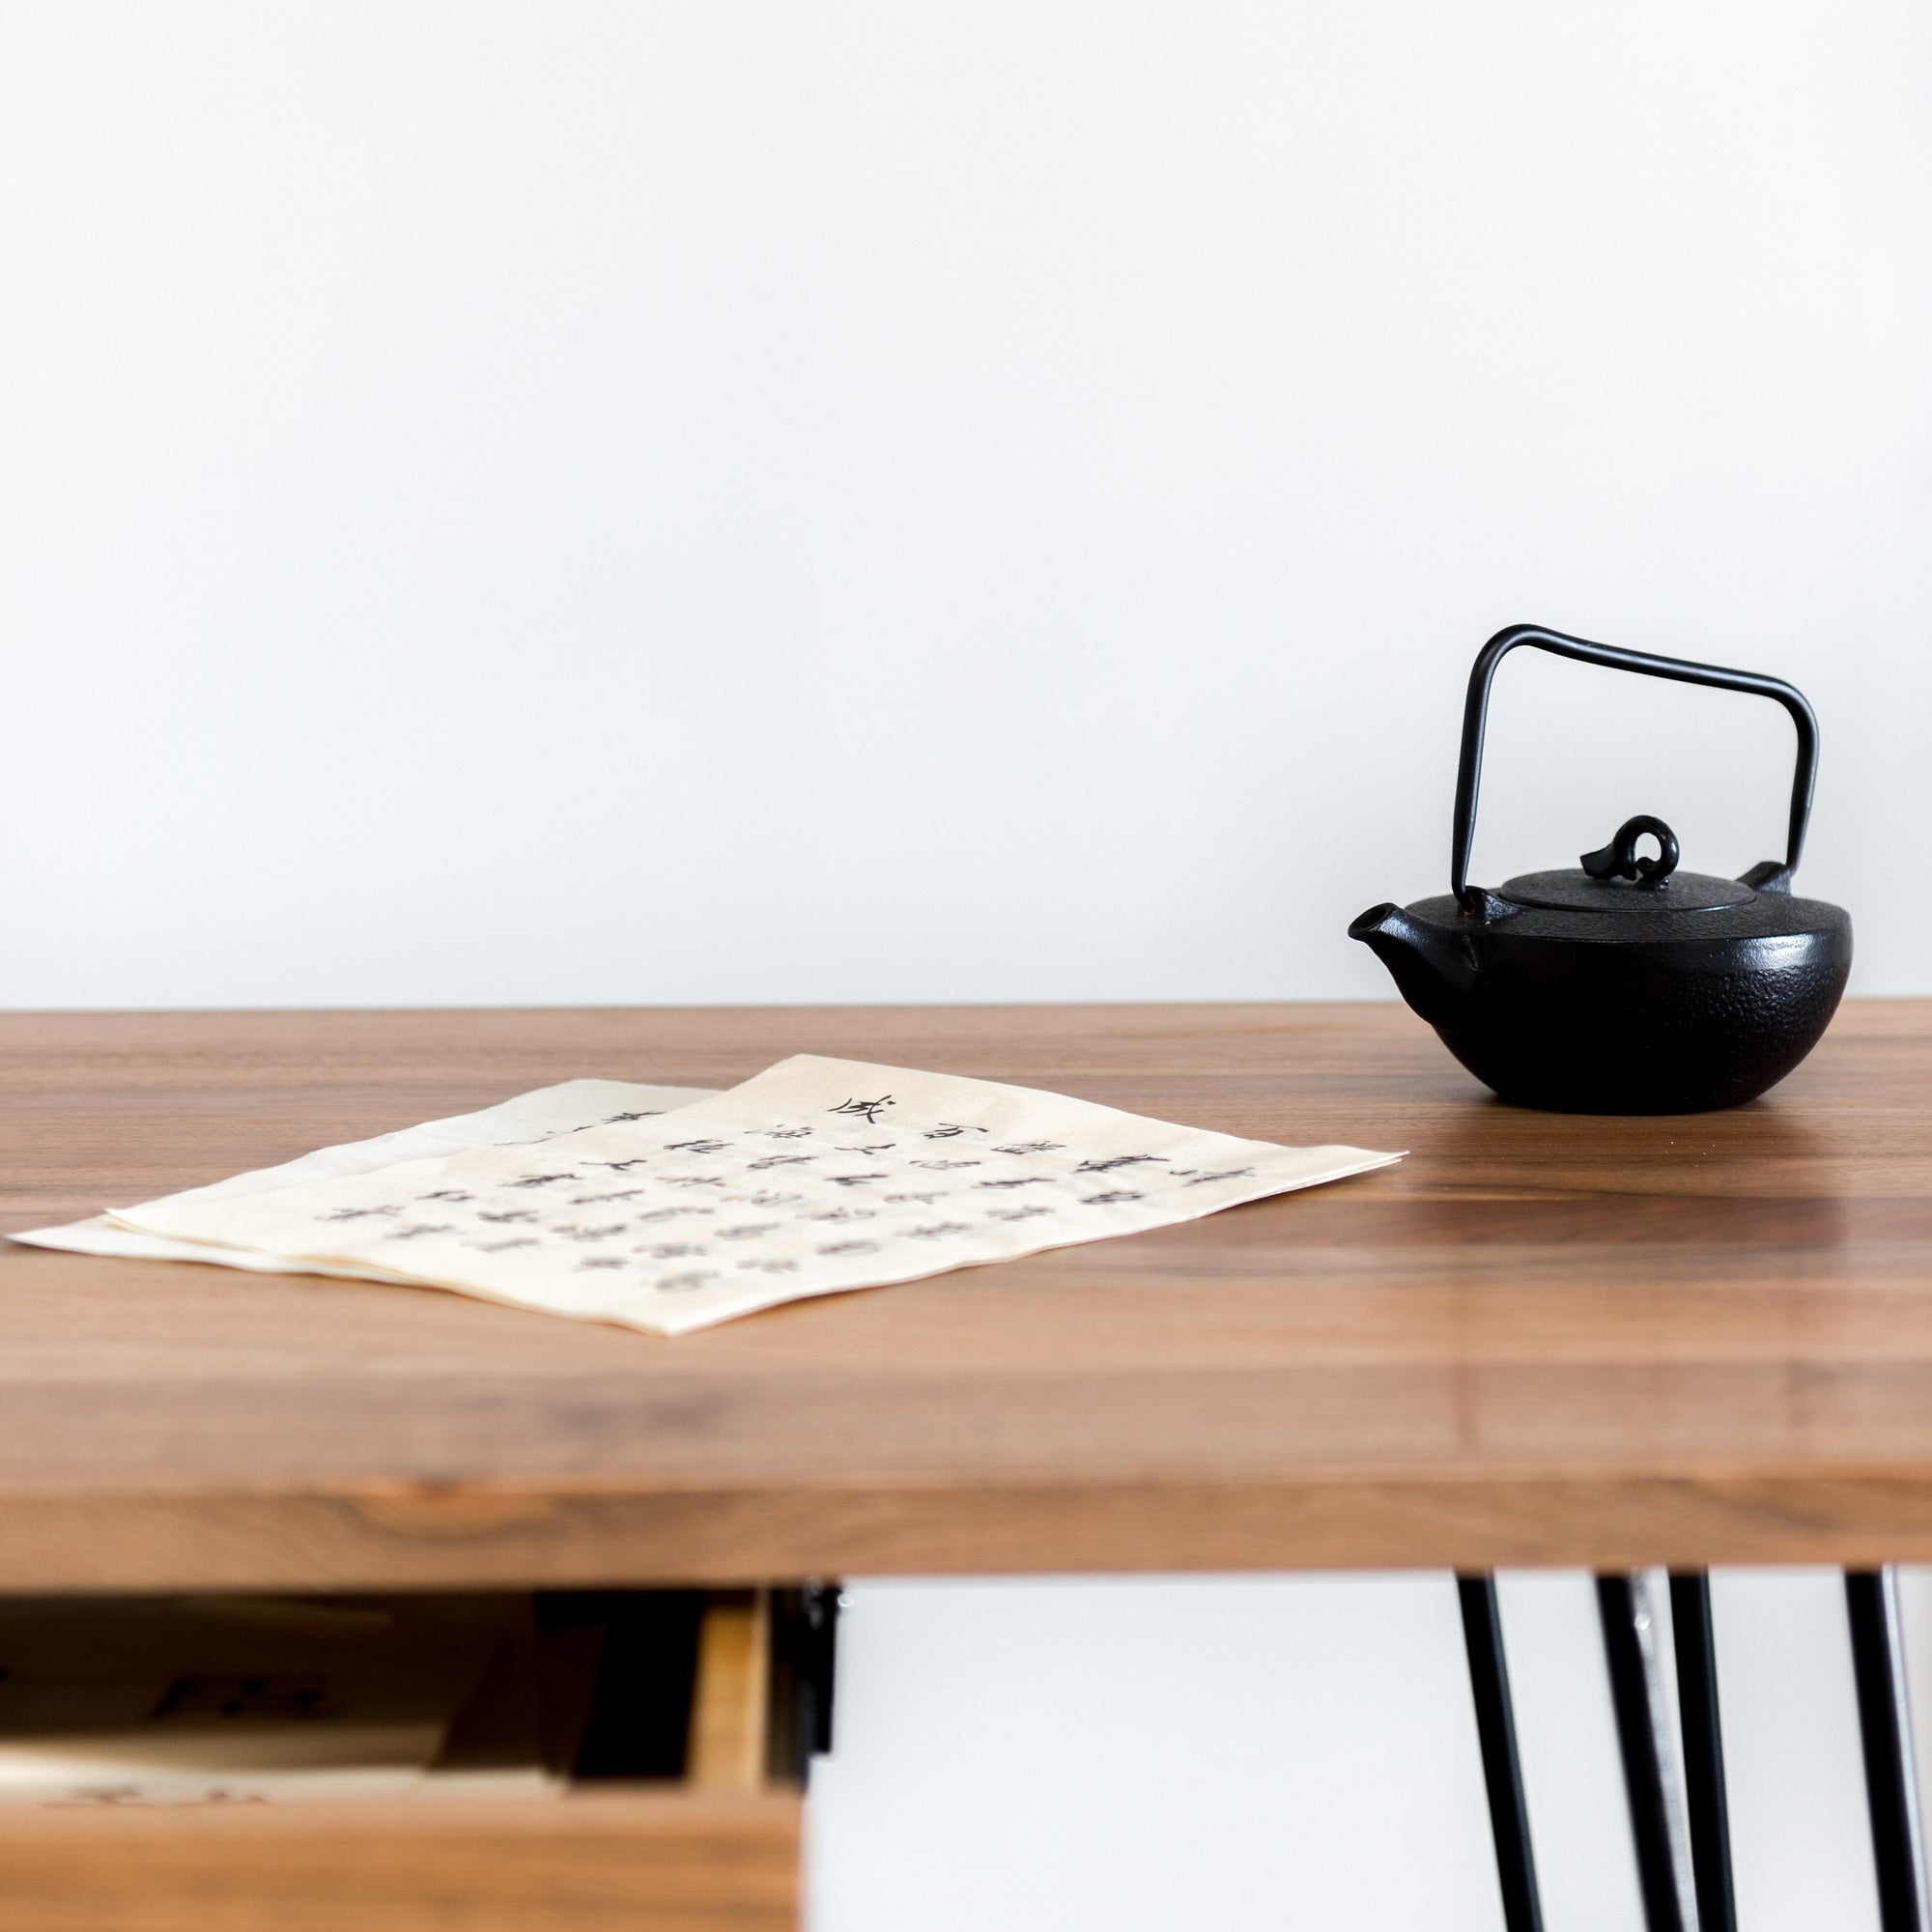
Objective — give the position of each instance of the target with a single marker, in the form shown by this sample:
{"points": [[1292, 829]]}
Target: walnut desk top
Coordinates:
{"points": [[1540, 1338]]}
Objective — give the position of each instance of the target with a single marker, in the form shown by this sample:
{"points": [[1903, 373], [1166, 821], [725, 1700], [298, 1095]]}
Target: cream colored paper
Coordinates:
{"points": [[814, 1176], [535, 1116]]}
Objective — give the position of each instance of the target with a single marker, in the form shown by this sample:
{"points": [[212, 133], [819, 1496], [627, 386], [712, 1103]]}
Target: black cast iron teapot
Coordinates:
{"points": [[1625, 986]]}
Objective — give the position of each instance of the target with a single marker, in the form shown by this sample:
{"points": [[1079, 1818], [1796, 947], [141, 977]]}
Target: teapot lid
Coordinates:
{"points": [[1616, 880], [1577, 892]]}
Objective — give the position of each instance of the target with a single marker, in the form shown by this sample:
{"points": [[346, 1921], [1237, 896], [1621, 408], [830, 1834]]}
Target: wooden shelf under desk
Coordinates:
{"points": [[715, 1850], [607, 1862], [1540, 1338]]}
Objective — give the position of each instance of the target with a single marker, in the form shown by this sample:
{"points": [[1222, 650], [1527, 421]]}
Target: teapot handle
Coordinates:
{"points": [[1476, 714]]}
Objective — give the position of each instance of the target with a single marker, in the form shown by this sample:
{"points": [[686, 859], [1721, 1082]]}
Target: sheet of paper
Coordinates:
{"points": [[814, 1176], [536, 1115]]}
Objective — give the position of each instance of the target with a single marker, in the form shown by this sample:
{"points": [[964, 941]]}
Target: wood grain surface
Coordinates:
{"points": [[626, 1858], [1540, 1338], [730, 1703]]}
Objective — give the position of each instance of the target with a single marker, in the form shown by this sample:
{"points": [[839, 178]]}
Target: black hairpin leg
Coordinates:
{"points": [[1643, 1735], [1696, 1649], [1884, 1725], [1502, 1769]]}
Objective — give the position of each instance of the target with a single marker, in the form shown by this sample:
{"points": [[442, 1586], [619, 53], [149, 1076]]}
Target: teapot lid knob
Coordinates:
{"points": [[1618, 859]]}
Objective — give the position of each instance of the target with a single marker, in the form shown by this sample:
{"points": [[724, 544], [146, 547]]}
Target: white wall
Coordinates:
{"points": [[980, 499], [977, 499], [1115, 1756]]}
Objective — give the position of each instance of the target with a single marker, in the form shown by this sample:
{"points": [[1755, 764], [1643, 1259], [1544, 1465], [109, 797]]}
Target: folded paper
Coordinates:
{"points": [[813, 1177]]}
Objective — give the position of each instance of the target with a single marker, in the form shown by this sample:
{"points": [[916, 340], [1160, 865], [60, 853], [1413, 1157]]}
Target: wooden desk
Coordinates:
{"points": [[1540, 1340]]}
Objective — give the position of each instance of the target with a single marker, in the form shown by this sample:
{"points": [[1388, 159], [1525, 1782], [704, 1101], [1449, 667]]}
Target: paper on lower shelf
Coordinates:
{"points": [[535, 1116], [229, 1700]]}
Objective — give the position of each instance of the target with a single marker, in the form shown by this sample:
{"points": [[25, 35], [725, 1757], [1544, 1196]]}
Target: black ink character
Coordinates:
{"points": [[765, 1198], [867, 1111], [768, 1267], [789, 1133], [747, 1232], [590, 1200], [1030, 1146], [285, 1693], [446, 1194], [1110, 1200], [1024, 1180], [417, 1228], [673, 1251], [619, 1166], [1227, 1174], [841, 1248], [696, 1147], [872, 1153], [499, 1247], [778, 1160], [917, 1200], [936, 1229], [855, 1180], [355, 1213], [605, 1261], [1016, 1214], [696, 1179], [684, 1284], [1119, 1160], [612, 1121], [541, 1180], [591, 1234], [844, 1215], [512, 1214], [947, 1131], [946, 1166]]}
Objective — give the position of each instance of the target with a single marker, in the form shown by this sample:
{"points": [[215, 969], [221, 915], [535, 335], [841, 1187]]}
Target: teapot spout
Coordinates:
{"points": [[1431, 969]]}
